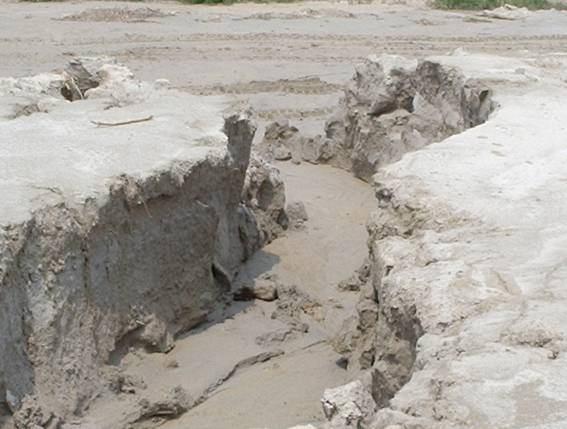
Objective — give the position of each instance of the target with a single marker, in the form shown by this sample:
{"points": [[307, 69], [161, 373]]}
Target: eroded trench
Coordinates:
{"points": [[201, 289]]}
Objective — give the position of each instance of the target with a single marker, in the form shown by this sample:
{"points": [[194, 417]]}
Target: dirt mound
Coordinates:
{"points": [[392, 106], [117, 14], [306, 13]]}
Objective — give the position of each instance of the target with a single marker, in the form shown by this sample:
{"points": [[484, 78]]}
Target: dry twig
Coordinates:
{"points": [[117, 124]]}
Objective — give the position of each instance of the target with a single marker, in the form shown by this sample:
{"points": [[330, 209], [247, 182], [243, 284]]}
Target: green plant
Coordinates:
{"points": [[491, 4], [203, 1], [233, 1]]}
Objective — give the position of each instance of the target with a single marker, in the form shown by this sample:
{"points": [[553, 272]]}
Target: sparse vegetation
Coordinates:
{"points": [[203, 1], [492, 4], [232, 1]]}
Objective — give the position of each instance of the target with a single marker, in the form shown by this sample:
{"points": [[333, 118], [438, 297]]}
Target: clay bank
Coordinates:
{"points": [[459, 322], [124, 219]]}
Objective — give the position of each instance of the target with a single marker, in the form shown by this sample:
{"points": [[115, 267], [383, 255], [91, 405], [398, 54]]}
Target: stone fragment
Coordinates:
{"points": [[348, 406], [155, 336], [264, 288], [274, 337], [281, 141], [282, 153], [262, 214], [296, 214], [176, 402]]}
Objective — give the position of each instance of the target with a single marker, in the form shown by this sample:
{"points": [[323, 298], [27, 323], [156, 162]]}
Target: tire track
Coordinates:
{"points": [[309, 86], [272, 37]]}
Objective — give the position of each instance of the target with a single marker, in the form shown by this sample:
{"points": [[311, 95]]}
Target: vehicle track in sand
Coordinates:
{"points": [[286, 47], [307, 86], [315, 52], [236, 51]]}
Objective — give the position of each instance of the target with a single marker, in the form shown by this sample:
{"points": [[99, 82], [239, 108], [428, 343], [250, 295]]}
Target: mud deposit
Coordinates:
{"points": [[256, 216]]}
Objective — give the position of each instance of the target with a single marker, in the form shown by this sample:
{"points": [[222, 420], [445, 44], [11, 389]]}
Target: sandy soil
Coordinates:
{"points": [[287, 61]]}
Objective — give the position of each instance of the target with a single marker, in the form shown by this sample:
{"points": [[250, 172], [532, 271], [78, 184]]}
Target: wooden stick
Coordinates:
{"points": [[117, 124]]}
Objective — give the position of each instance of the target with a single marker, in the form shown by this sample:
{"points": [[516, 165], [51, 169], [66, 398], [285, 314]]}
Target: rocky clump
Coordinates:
{"points": [[293, 305], [262, 214], [392, 106], [348, 406], [283, 142], [355, 282], [296, 214], [264, 288], [172, 405]]}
